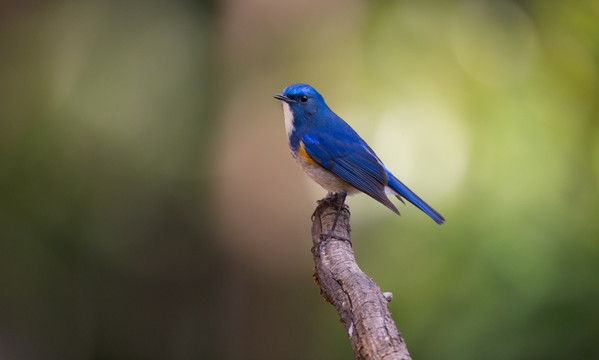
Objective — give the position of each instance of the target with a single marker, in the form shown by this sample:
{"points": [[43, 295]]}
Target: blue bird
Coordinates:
{"points": [[335, 156]]}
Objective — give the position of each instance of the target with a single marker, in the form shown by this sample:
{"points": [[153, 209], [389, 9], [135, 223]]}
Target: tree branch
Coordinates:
{"points": [[361, 306]]}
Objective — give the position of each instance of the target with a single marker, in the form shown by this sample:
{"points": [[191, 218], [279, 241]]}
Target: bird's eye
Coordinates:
{"points": [[303, 98]]}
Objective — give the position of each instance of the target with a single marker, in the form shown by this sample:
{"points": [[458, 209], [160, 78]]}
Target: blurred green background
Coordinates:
{"points": [[149, 207]]}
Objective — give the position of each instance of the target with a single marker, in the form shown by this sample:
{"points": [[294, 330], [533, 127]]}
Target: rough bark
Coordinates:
{"points": [[361, 305]]}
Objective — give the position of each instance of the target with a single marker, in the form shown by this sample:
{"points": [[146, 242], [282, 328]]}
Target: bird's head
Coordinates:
{"points": [[302, 99]]}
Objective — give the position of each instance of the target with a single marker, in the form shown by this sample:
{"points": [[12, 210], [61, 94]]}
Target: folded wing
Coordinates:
{"points": [[352, 161]]}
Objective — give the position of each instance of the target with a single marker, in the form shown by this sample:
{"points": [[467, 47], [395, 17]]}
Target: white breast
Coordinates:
{"points": [[288, 119]]}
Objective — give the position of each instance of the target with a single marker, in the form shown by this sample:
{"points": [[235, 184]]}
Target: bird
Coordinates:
{"points": [[332, 153]]}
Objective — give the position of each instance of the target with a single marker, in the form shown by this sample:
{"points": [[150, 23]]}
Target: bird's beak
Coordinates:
{"points": [[284, 98]]}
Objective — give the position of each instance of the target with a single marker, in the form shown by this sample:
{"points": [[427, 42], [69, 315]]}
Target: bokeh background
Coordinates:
{"points": [[149, 207]]}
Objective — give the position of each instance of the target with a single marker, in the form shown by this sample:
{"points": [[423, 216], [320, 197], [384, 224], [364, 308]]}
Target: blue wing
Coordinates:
{"points": [[347, 156]]}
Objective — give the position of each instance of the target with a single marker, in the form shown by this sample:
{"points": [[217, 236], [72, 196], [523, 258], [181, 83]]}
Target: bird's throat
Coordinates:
{"points": [[288, 114]]}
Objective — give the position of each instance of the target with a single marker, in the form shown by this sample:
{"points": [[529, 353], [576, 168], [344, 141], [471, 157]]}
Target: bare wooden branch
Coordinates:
{"points": [[361, 305]]}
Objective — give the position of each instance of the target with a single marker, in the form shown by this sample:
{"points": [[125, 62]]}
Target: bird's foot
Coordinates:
{"points": [[332, 199], [336, 200]]}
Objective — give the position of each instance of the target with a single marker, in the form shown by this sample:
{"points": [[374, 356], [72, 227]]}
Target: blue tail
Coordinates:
{"points": [[409, 195]]}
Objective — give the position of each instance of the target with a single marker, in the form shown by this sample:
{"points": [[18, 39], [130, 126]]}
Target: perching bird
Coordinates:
{"points": [[335, 156]]}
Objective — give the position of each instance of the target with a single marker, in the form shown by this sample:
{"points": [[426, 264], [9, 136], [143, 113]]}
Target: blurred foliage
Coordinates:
{"points": [[149, 208]]}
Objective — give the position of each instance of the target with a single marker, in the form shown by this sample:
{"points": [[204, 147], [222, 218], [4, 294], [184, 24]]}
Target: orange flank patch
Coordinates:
{"points": [[301, 152]]}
